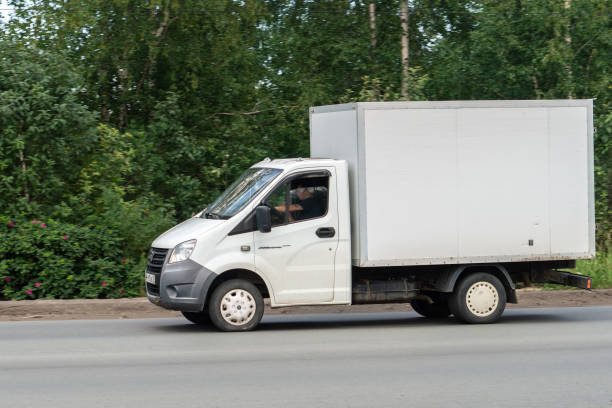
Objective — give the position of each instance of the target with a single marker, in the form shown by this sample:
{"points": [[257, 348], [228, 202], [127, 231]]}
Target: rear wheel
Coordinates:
{"points": [[200, 318], [236, 305], [436, 310], [478, 298]]}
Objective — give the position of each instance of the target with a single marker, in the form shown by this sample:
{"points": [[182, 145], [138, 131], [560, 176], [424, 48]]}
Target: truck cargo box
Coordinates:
{"points": [[464, 181]]}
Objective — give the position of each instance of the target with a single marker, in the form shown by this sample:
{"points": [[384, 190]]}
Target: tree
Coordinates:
{"points": [[45, 131]]}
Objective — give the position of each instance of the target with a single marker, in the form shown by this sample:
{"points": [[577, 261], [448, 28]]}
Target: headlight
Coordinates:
{"points": [[182, 251]]}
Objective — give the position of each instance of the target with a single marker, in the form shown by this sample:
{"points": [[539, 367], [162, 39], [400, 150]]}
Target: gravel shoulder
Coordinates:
{"points": [[140, 308]]}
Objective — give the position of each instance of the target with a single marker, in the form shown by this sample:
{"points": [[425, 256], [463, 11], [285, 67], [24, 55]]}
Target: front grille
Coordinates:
{"points": [[156, 260], [155, 263]]}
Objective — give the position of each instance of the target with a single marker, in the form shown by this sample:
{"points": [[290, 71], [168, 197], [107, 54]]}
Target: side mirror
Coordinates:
{"points": [[263, 219]]}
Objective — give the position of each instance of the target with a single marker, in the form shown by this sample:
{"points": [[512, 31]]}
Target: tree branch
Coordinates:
{"points": [[254, 112], [588, 42]]}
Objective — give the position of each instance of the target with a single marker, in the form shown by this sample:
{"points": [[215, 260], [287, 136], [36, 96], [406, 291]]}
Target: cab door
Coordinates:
{"points": [[297, 255]]}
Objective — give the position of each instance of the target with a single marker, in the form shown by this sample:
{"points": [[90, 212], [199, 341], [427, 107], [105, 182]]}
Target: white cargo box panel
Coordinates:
{"points": [[464, 181]]}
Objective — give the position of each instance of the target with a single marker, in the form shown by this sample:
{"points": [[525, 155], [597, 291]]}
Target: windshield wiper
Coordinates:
{"points": [[213, 216]]}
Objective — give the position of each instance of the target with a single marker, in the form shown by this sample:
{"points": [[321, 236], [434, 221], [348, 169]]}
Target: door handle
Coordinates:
{"points": [[326, 232]]}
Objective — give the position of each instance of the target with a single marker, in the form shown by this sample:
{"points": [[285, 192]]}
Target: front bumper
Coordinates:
{"points": [[180, 286]]}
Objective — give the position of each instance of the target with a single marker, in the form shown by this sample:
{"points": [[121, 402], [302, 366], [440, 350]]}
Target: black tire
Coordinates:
{"points": [[484, 304], [243, 303], [200, 318], [436, 310]]}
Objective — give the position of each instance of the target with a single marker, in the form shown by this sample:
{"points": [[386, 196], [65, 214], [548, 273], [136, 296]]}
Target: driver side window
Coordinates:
{"points": [[299, 199]]}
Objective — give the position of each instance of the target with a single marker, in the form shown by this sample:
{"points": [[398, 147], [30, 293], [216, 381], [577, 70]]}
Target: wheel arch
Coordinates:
{"points": [[238, 273], [497, 270]]}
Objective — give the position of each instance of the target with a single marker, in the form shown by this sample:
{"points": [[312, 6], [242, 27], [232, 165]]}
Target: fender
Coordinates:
{"points": [[448, 282], [235, 273]]}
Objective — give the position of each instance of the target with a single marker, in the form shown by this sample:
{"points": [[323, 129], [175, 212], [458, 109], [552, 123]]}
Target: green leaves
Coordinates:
{"points": [[44, 129]]}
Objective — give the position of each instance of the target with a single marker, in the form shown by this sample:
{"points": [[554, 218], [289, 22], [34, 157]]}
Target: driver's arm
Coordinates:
{"points": [[292, 207]]}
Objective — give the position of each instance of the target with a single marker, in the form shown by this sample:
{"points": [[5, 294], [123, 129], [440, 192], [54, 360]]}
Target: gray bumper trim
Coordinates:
{"points": [[183, 286]]}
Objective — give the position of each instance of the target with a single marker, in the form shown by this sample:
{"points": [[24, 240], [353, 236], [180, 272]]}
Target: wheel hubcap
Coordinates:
{"points": [[237, 307], [482, 299]]}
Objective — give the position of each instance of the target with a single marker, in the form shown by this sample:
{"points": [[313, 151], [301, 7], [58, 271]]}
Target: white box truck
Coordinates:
{"points": [[443, 205]]}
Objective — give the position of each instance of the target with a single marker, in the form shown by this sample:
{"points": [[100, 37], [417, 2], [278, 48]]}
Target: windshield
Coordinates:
{"points": [[240, 193]]}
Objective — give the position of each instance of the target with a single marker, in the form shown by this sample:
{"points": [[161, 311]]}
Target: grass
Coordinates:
{"points": [[600, 269]]}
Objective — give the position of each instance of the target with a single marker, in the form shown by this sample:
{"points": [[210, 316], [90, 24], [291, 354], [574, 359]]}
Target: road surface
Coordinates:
{"points": [[555, 357]]}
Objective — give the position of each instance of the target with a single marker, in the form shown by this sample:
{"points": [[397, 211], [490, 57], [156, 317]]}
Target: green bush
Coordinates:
{"points": [[51, 259]]}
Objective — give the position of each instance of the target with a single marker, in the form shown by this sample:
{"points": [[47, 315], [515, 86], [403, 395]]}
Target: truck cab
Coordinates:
{"points": [[282, 227]]}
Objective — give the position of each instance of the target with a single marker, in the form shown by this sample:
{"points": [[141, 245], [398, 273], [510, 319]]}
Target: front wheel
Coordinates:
{"points": [[236, 305], [478, 298]]}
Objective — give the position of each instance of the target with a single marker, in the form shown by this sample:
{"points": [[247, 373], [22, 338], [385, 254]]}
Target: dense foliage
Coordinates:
{"points": [[119, 118], [41, 258]]}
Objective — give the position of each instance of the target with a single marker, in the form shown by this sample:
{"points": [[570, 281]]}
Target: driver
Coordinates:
{"points": [[310, 207], [307, 206]]}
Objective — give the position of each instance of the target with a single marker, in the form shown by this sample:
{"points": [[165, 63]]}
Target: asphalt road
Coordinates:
{"points": [[557, 357]]}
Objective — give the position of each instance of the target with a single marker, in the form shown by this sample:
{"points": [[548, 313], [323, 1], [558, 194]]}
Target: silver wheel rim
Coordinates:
{"points": [[237, 307], [482, 299]]}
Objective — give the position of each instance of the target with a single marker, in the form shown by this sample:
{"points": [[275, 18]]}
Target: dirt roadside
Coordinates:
{"points": [[138, 308]]}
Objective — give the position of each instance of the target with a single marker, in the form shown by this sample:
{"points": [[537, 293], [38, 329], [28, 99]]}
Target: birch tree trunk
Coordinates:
{"points": [[373, 45], [568, 65], [372, 30], [404, 16]]}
